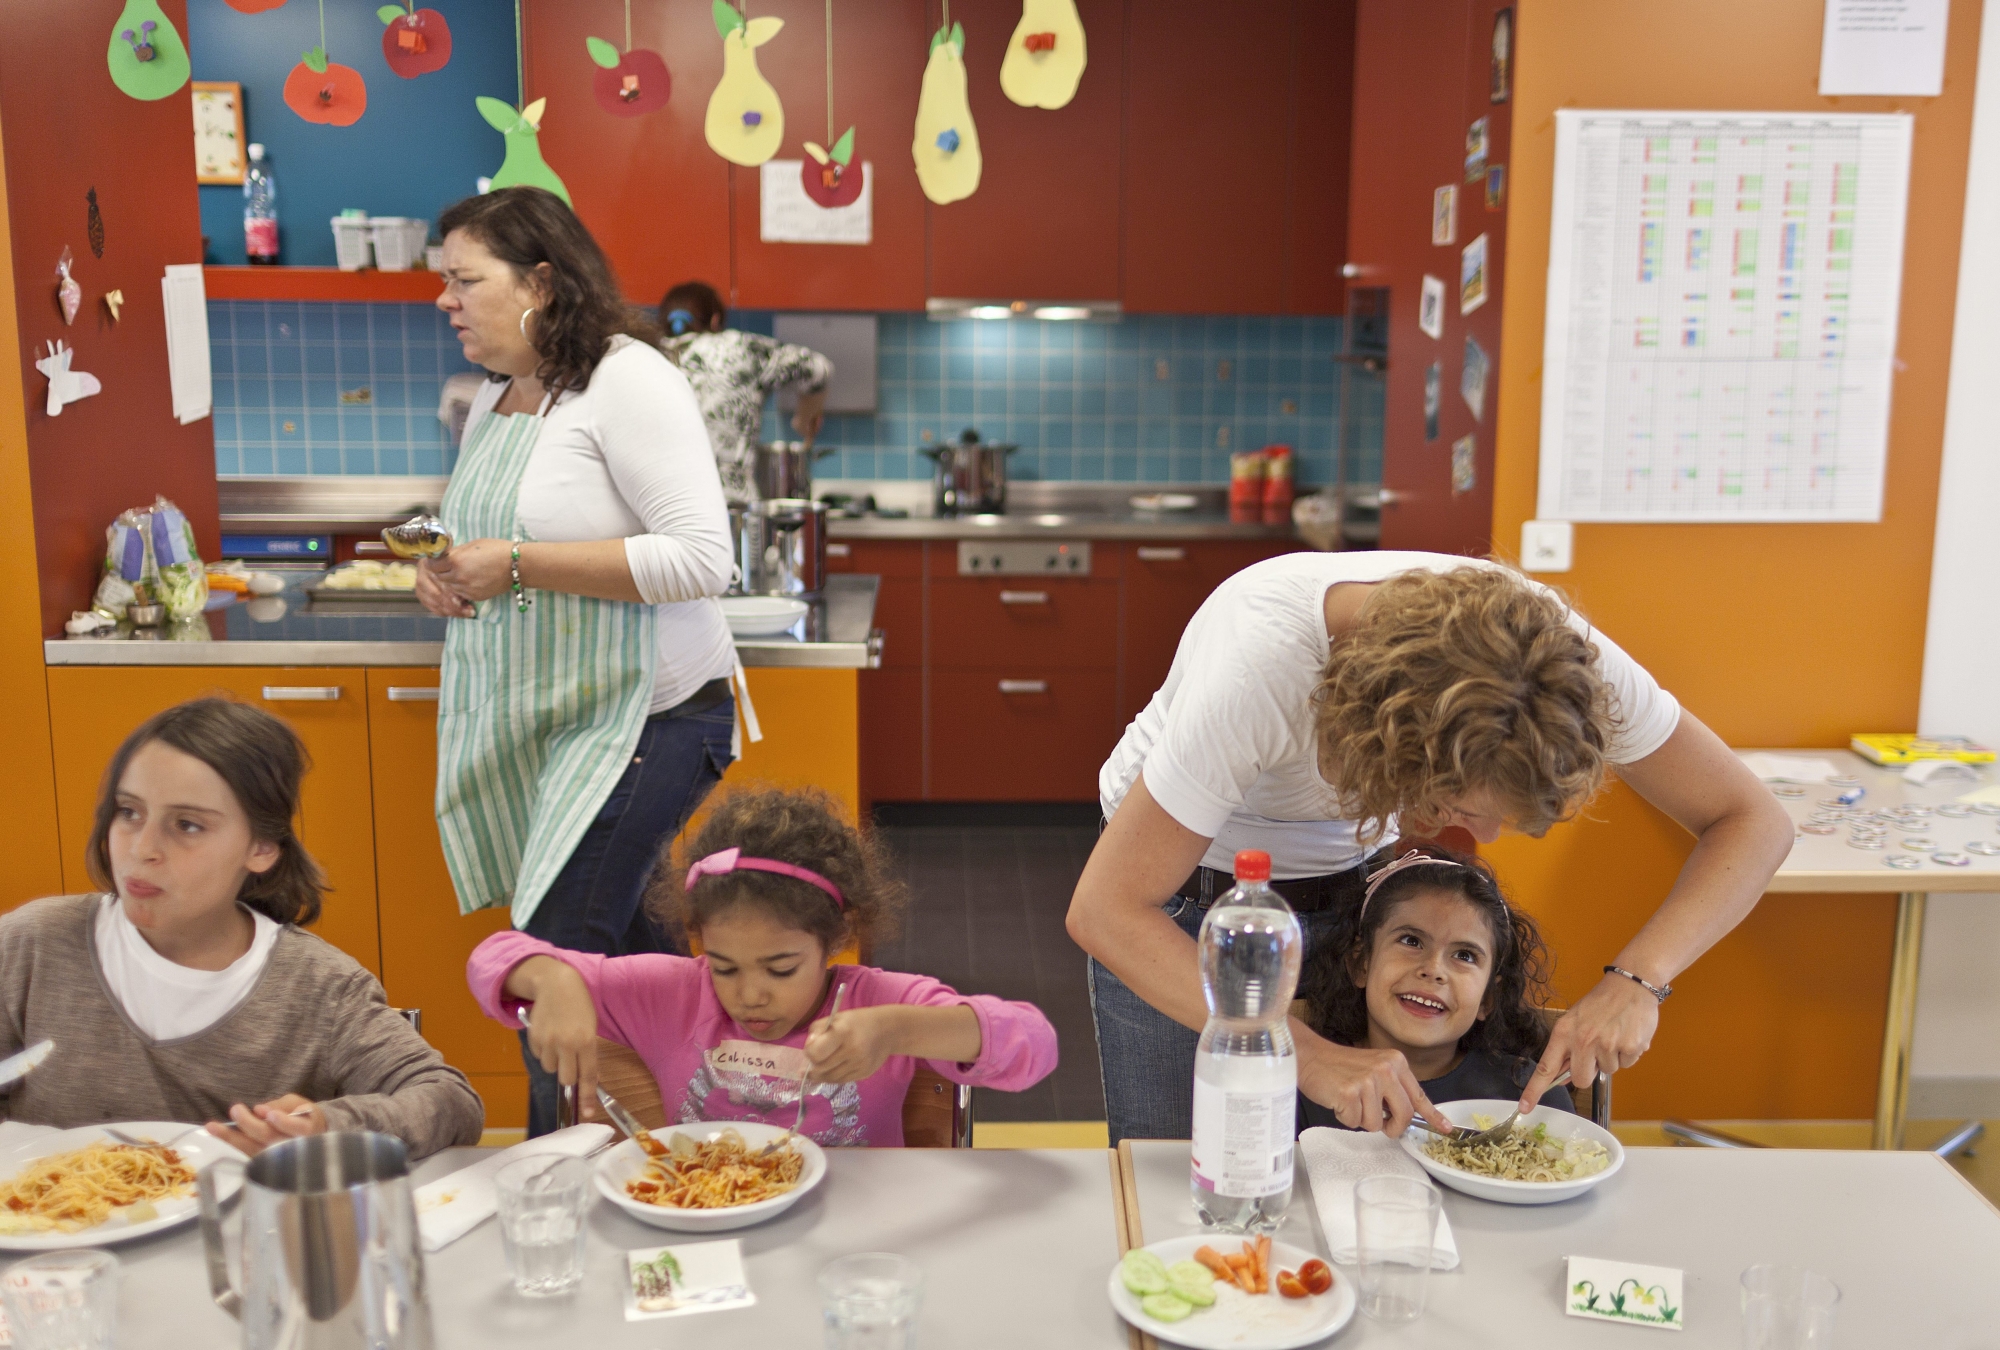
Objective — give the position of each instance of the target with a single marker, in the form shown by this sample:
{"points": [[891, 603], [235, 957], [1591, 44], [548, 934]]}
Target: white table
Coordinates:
{"points": [[1908, 1240], [1015, 1247], [1828, 863]]}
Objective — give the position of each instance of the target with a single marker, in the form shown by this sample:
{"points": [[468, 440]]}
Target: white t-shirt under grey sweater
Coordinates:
{"points": [[1227, 743]]}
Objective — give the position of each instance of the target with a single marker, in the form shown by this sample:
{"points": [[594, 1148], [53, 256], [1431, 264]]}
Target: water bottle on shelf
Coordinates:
{"points": [[260, 211], [1246, 1072]]}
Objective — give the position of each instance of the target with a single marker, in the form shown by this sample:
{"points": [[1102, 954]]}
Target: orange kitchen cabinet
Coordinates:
{"points": [[93, 708], [810, 732], [1165, 583], [425, 940], [1028, 734]]}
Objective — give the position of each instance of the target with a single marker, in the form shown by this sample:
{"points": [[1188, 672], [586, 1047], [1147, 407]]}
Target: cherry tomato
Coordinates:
{"points": [[1315, 1276], [1289, 1286]]}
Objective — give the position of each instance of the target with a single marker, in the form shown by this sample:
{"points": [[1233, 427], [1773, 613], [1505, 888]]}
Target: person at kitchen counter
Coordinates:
{"points": [[1317, 702], [733, 372], [586, 706]]}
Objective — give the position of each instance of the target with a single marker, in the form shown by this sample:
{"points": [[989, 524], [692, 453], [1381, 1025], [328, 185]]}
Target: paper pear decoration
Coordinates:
{"points": [[524, 165], [947, 144], [745, 123], [65, 385], [148, 60], [1046, 56], [831, 177]]}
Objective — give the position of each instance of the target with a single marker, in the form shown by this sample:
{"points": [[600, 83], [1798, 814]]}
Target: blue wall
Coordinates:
{"points": [[420, 146]]}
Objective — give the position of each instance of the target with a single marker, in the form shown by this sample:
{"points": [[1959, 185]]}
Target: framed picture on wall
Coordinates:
{"points": [[219, 152]]}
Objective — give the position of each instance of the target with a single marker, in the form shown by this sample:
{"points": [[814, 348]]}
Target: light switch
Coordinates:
{"points": [[1545, 545]]}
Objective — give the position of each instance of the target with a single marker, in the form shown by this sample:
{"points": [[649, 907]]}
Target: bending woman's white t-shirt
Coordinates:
{"points": [[1227, 743]]}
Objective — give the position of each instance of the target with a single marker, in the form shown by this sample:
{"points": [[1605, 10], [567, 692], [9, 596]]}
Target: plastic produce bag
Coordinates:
{"points": [[150, 556]]}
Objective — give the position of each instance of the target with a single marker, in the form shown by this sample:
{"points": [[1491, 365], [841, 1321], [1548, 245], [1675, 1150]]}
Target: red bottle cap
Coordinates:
{"points": [[1253, 864]]}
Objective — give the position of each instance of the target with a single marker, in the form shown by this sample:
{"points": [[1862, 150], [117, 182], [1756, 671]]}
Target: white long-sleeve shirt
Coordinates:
{"points": [[628, 458]]}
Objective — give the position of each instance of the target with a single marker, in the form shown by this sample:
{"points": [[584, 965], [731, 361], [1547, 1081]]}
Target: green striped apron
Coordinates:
{"points": [[539, 710]]}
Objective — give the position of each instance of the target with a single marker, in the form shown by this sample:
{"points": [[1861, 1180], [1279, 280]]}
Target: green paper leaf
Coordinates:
{"points": [[315, 60], [819, 155], [843, 149], [941, 36], [389, 13], [602, 52], [500, 116], [727, 20], [958, 37]]}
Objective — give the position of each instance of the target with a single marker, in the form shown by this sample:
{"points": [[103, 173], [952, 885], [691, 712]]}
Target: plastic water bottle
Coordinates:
{"points": [[1246, 1073], [260, 211]]}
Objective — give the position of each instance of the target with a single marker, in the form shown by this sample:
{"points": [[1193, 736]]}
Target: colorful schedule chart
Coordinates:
{"points": [[1721, 327]]}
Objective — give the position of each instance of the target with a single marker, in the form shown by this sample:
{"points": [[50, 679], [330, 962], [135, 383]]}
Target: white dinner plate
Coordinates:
{"points": [[761, 615], [1562, 1125], [1241, 1321], [628, 1160], [197, 1151], [1165, 501]]}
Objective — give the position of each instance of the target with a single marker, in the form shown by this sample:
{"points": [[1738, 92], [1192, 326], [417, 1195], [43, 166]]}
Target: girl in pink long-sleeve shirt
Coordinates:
{"points": [[778, 885]]}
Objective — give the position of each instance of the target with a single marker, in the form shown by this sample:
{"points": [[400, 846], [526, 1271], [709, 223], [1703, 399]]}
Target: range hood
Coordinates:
{"points": [[1056, 311]]}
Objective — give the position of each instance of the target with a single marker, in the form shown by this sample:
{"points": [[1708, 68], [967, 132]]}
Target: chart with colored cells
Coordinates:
{"points": [[1721, 329]]}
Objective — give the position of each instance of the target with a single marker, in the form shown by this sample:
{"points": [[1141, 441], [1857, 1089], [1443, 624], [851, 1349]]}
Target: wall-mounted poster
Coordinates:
{"points": [[1503, 55], [1433, 398], [1472, 276], [1475, 150], [1496, 186], [1430, 310], [1444, 215], [219, 154]]}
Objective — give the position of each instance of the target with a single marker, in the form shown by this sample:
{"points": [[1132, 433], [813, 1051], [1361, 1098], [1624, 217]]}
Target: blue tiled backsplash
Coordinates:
{"points": [[313, 388]]}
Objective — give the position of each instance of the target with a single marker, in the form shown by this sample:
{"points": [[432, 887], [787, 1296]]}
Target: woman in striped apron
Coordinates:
{"points": [[586, 706]]}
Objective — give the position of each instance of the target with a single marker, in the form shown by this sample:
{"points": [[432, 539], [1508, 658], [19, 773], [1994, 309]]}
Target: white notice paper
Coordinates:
{"points": [[1883, 47], [787, 216], [186, 303]]}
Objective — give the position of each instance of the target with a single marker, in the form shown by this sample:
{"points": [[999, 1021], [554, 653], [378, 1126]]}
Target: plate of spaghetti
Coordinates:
{"points": [[82, 1188], [714, 1176], [1553, 1154]]}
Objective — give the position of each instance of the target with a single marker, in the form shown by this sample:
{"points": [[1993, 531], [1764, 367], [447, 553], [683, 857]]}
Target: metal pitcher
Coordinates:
{"points": [[785, 468], [329, 1252], [781, 547], [970, 477]]}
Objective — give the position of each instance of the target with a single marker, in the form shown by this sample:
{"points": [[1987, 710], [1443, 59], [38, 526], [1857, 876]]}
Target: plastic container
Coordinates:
{"points": [[399, 241], [1246, 486], [1246, 1071], [352, 245], [1277, 484], [260, 211]]}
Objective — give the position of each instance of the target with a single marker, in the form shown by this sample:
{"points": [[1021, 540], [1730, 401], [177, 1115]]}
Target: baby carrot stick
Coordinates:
{"points": [[1264, 1264], [1212, 1258]]}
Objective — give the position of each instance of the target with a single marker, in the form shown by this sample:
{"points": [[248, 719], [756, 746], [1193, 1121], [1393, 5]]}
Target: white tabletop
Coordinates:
{"points": [[1014, 1245], [1906, 1238], [1828, 862]]}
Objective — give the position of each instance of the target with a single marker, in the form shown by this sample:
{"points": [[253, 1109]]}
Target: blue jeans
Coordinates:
{"points": [[1145, 1056], [595, 904]]}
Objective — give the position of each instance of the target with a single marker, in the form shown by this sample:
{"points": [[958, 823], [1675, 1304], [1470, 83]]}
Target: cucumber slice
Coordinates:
{"points": [[1143, 1272], [1166, 1307], [1192, 1281]]}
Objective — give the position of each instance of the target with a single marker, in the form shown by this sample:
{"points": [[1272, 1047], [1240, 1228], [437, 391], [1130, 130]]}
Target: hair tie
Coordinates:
{"points": [[1416, 857], [732, 860], [679, 321]]}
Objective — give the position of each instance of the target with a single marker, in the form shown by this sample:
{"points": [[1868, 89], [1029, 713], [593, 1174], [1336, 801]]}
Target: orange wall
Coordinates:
{"points": [[1779, 635]]}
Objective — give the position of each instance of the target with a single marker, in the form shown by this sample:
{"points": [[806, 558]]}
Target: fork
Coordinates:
{"points": [[786, 1138], [1494, 1134], [137, 1142]]}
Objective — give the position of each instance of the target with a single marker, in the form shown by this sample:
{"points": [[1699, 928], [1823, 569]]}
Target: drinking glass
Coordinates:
{"points": [[542, 1202], [1788, 1308], [1395, 1225], [63, 1300], [870, 1301]]}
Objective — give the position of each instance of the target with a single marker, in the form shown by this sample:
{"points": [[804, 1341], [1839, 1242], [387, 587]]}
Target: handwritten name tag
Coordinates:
{"points": [[775, 1061]]}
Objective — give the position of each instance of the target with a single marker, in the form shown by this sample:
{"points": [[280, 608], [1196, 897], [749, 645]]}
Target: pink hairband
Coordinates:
{"points": [[732, 860], [1416, 857]]}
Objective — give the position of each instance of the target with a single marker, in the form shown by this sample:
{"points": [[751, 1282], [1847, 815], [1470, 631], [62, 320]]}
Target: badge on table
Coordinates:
{"points": [[696, 1277], [1620, 1291]]}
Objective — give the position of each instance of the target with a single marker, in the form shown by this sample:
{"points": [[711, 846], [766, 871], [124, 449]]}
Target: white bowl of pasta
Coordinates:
{"points": [[713, 1179], [1567, 1152], [82, 1188]]}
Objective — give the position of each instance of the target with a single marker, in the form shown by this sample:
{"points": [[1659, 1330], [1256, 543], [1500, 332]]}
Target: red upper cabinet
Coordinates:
{"points": [[1044, 223], [1322, 139], [879, 49], [649, 188]]}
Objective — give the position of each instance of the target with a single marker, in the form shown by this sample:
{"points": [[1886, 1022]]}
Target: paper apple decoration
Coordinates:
{"points": [[416, 41], [628, 84], [253, 6], [325, 91], [831, 177]]}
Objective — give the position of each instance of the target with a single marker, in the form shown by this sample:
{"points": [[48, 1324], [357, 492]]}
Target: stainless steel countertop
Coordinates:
{"points": [[837, 634], [1172, 525]]}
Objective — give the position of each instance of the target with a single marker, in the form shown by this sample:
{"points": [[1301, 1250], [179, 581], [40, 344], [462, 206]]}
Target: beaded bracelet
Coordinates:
{"points": [[1658, 991], [521, 600]]}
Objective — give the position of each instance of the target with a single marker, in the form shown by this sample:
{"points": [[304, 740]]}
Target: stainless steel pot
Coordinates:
{"points": [[781, 547], [785, 469], [970, 477]]}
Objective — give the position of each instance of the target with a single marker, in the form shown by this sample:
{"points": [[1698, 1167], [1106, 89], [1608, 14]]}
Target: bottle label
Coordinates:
{"points": [[260, 238], [1243, 1140]]}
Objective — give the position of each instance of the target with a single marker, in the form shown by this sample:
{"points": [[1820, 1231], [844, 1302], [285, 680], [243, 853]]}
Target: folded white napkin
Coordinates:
{"points": [[1790, 768], [452, 1206], [1335, 1160]]}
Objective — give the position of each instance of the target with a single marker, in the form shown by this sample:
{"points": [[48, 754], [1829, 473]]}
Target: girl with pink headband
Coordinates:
{"points": [[779, 886]]}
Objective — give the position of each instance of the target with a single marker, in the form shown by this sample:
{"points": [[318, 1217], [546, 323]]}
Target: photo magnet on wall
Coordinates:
{"points": [[1444, 215], [1433, 398], [1472, 378], [1475, 150], [1464, 470], [1496, 187], [1472, 276], [1430, 310], [1503, 56]]}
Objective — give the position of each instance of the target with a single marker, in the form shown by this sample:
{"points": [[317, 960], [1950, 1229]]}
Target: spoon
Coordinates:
{"points": [[421, 536], [786, 1138], [1492, 1135]]}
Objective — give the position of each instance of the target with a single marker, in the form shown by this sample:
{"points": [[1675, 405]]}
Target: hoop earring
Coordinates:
{"points": [[524, 323]]}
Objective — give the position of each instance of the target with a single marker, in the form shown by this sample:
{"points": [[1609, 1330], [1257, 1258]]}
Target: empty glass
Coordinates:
{"points": [[1395, 1225], [870, 1301], [1788, 1308], [542, 1201], [63, 1300]]}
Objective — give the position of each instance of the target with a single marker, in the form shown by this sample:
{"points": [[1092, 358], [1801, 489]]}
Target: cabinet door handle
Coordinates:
{"points": [[413, 693], [1162, 554], [839, 550], [301, 693], [1024, 686], [1024, 597]]}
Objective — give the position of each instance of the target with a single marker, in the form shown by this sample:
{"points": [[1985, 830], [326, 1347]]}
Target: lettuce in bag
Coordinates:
{"points": [[150, 556]]}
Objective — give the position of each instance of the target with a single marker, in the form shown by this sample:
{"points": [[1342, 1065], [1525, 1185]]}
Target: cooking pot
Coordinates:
{"points": [[781, 547], [785, 468], [970, 477]]}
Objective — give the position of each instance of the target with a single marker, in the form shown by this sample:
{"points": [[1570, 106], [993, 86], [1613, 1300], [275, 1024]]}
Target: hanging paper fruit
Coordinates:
{"points": [[147, 58], [253, 6], [416, 41], [325, 91], [745, 122], [831, 178], [628, 83], [1046, 56], [947, 144], [524, 165]]}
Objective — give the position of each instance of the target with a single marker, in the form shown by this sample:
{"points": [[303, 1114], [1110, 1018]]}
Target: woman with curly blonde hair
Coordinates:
{"points": [[1319, 704]]}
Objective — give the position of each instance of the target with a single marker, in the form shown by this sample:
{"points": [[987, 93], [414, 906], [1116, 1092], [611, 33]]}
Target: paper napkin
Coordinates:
{"points": [[452, 1206], [1623, 1291], [1790, 768], [1335, 1160], [696, 1277]]}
